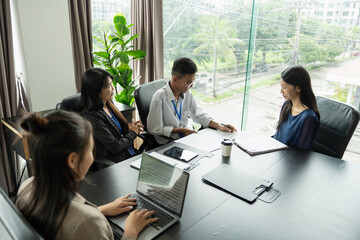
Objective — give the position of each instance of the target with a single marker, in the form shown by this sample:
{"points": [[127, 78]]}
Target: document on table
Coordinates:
{"points": [[207, 139], [258, 145]]}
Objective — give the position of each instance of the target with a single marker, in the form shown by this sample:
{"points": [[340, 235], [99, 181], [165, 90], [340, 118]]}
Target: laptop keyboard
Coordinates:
{"points": [[164, 218]]}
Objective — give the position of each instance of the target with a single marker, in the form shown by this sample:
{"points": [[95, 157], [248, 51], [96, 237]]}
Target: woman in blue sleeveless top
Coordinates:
{"points": [[299, 116]]}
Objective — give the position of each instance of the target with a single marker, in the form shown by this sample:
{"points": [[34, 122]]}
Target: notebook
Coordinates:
{"points": [[237, 182], [259, 145], [160, 187]]}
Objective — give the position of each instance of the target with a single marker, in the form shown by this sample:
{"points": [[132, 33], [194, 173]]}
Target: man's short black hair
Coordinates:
{"points": [[183, 66]]}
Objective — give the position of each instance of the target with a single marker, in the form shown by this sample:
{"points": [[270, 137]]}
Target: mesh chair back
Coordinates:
{"points": [[143, 95]]}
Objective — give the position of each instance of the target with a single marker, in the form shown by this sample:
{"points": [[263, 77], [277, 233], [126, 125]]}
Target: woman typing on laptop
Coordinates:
{"points": [[62, 152]]}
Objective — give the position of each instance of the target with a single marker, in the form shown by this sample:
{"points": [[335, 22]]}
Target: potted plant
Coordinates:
{"points": [[115, 58]]}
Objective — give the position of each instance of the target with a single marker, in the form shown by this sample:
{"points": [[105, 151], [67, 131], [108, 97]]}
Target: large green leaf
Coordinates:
{"points": [[114, 40], [124, 58], [125, 77], [102, 54], [119, 18], [123, 67], [125, 98], [119, 80], [129, 76], [121, 99], [122, 29], [112, 71], [131, 38], [136, 54], [130, 90]]}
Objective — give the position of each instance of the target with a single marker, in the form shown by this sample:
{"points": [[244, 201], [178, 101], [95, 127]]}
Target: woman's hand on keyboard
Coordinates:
{"points": [[120, 205], [136, 221]]}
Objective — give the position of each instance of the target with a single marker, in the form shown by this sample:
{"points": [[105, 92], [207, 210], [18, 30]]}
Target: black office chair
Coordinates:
{"points": [[338, 122], [143, 95], [72, 103], [13, 224]]}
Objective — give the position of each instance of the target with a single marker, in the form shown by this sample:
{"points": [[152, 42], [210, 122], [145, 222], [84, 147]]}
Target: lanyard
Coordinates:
{"points": [[116, 121], [176, 111], [129, 149]]}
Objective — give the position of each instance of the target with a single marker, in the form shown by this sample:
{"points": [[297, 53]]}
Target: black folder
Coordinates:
{"points": [[237, 182]]}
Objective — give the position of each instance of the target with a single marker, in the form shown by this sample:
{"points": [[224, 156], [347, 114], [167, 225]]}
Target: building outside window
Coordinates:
{"points": [[103, 12]]}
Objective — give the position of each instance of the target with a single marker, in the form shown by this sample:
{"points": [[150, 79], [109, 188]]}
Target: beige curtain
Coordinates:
{"points": [[146, 15], [81, 37], [8, 96]]}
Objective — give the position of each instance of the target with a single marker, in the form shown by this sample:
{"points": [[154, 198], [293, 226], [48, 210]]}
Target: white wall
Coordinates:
{"points": [[45, 32], [19, 58]]}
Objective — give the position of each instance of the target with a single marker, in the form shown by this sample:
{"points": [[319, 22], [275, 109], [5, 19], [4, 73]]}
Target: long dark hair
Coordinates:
{"points": [[93, 80], [52, 139], [298, 76]]}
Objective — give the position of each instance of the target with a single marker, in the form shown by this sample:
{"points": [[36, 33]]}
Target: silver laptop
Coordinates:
{"points": [[161, 187]]}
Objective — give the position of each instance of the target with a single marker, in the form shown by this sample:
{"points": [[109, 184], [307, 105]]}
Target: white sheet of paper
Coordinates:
{"points": [[207, 139]]}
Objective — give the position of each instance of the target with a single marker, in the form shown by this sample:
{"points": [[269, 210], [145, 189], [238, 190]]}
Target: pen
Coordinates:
{"points": [[227, 126]]}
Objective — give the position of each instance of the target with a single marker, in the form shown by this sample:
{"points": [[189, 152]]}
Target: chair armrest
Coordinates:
{"points": [[149, 141]]}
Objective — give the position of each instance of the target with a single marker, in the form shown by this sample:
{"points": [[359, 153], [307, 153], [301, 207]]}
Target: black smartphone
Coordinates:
{"points": [[180, 154]]}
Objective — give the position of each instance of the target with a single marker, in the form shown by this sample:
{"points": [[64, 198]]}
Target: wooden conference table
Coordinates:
{"points": [[320, 198]]}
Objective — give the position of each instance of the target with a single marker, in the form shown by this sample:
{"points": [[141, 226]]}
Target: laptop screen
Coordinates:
{"points": [[162, 183]]}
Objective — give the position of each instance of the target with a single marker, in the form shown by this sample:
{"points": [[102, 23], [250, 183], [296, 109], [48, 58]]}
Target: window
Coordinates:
{"points": [[103, 12], [345, 13], [216, 35]]}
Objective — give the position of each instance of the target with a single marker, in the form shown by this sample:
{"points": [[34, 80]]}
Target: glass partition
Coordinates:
{"points": [[299, 33], [215, 34], [238, 82]]}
